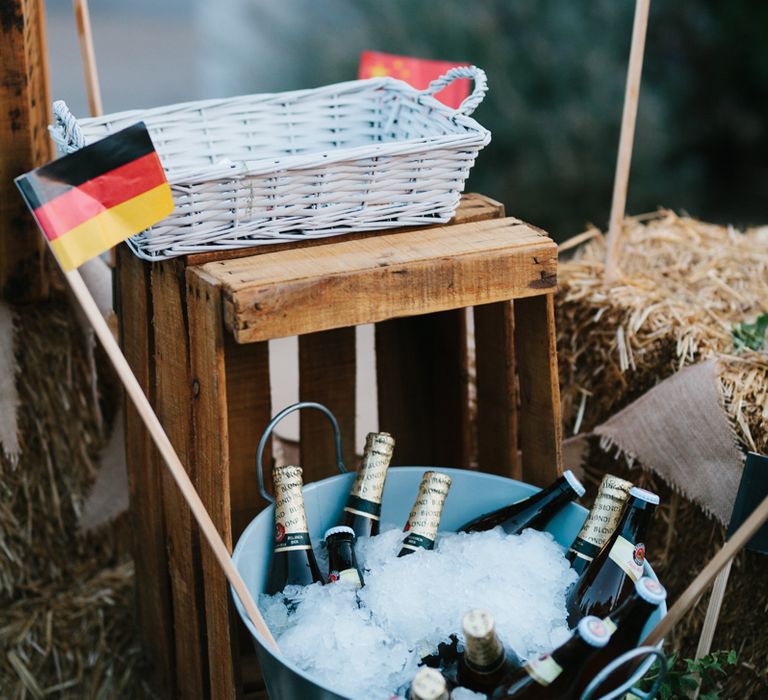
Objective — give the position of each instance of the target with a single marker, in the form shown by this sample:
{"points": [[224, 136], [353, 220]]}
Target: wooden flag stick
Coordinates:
{"points": [[713, 614], [83, 19], [628, 119], [724, 557], [165, 448]]}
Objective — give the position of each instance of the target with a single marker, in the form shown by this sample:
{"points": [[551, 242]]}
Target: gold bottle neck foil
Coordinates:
{"points": [[370, 478], [604, 516], [291, 531], [483, 649], [424, 520]]}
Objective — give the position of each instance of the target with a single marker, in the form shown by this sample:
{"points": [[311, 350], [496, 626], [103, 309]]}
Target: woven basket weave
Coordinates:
{"points": [[260, 169]]}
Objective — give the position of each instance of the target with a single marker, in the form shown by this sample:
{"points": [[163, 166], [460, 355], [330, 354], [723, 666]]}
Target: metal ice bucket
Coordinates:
{"points": [[471, 493]]}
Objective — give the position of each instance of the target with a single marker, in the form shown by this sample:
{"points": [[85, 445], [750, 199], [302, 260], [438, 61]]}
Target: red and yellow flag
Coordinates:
{"points": [[91, 200], [418, 72]]}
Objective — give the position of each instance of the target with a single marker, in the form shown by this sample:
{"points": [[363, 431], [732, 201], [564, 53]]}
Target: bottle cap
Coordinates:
{"points": [[379, 442], [477, 623], [429, 684], [593, 631], [644, 495], [651, 590], [338, 530], [576, 485]]}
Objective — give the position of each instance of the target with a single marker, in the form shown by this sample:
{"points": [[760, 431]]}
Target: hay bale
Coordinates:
{"points": [[685, 286], [66, 606]]}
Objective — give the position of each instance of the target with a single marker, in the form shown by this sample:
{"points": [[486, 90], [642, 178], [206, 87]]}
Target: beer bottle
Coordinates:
{"points": [[600, 523], [342, 561], [428, 684], [293, 561], [427, 510], [611, 577], [363, 508], [555, 675], [534, 511], [625, 624], [484, 663]]}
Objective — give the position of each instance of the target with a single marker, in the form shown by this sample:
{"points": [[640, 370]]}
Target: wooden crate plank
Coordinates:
{"points": [[539, 418], [248, 412], [473, 207], [24, 144], [421, 374], [153, 585], [496, 417], [173, 404], [371, 280], [210, 417], [327, 374]]}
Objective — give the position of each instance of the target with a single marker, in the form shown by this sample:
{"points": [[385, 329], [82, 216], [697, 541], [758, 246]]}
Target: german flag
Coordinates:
{"points": [[91, 200]]}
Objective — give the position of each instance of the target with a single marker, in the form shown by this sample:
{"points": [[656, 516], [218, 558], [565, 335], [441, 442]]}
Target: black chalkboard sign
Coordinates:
{"points": [[752, 490]]}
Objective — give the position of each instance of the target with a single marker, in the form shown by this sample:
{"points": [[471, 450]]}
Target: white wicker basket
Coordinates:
{"points": [[260, 169]]}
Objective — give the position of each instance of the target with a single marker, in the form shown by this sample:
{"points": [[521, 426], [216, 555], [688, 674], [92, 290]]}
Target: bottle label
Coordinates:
{"points": [[291, 531], [351, 576], [544, 670], [424, 519], [365, 496], [630, 557], [603, 518], [359, 506]]}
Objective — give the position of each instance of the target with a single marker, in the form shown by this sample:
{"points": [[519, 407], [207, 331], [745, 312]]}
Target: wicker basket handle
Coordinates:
{"points": [[66, 131], [268, 431], [477, 75], [619, 691]]}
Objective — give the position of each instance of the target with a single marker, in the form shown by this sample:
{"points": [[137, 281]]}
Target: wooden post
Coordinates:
{"points": [[83, 19], [629, 116], [24, 144]]}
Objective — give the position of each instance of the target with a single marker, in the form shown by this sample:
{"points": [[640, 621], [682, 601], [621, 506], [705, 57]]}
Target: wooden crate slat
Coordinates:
{"points": [[327, 374], [153, 585], [473, 207], [541, 434], [372, 280], [210, 416], [248, 412], [496, 418], [173, 404], [24, 144], [421, 373]]}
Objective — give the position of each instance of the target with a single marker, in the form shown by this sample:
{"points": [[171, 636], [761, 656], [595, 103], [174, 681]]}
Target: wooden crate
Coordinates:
{"points": [[196, 331]]}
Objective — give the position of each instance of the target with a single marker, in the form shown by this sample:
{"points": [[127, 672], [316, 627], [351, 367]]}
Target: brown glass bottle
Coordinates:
{"points": [[424, 520], [293, 561], [534, 511], [555, 675], [484, 663], [363, 509], [428, 684], [342, 561], [625, 624], [600, 523], [611, 577]]}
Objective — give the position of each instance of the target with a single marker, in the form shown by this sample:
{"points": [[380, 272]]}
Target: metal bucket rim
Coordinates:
{"points": [[641, 670]]}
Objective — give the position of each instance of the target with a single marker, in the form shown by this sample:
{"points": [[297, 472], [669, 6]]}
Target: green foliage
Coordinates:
{"points": [[683, 676], [753, 336]]}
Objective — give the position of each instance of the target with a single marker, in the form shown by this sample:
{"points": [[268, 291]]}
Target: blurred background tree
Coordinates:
{"points": [[556, 72]]}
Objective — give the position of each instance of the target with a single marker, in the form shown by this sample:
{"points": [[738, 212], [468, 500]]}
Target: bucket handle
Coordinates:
{"points": [[271, 426], [601, 677]]}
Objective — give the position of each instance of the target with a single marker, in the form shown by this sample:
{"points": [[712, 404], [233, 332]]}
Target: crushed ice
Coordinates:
{"points": [[367, 643]]}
